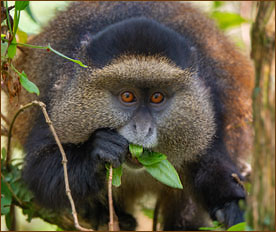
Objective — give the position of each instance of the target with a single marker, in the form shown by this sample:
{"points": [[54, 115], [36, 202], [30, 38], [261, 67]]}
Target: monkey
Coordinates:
{"points": [[160, 75]]}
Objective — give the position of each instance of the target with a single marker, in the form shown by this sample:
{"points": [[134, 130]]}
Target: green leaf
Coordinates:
{"points": [[29, 12], [8, 176], [8, 221], [238, 227], [148, 212], [12, 49], [116, 177], [21, 5], [22, 36], [107, 166], [217, 4], [21, 191], [165, 173], [149, 158], [216, 227], [6, 198], [207, 228], [4, 153], [135, 150], [29, 212], [28, 85], [227, 20]]}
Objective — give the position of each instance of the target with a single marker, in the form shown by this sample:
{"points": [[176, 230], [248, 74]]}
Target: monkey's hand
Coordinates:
{"points": [[227, 210], [230, 214], [218, 188], [108, 146], [44, 174]]}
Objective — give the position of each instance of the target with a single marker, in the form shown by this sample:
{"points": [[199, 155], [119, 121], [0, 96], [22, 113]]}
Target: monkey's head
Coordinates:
{"points": [[141, 82], [148, 100]]}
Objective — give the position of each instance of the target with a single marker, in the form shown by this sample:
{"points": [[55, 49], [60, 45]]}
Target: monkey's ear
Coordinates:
{"points": [[85, 40]]}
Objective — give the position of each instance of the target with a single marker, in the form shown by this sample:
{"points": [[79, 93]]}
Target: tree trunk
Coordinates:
{"points": [[261, 210]]}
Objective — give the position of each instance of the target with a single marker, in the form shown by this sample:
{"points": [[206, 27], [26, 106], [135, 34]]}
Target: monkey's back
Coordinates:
{"points": [[221, 66]]}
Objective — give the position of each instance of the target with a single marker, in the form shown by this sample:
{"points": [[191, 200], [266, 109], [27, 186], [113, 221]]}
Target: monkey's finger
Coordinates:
{"points": [[105, 156], [232, 214]]}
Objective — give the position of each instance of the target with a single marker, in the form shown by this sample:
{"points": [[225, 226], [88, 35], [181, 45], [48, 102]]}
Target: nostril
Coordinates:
{"points": [[134, 126], [150, 131]]}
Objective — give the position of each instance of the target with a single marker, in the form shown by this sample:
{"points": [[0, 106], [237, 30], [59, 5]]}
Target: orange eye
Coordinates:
{"points": [[127, 97], [157, 98]]}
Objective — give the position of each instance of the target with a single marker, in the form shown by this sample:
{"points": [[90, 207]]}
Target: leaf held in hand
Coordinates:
{"points": [[165, 173], [135, 150], [28, 85], [116, 175]]}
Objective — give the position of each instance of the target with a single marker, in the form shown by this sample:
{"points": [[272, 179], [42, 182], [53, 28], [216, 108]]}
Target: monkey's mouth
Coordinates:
{"points": [[132, 162]]}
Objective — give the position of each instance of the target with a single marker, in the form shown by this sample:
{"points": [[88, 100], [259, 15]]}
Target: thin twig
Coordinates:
{"points": [[64, 163], [64, 159], [113, 223], [22, 108], [155, 215], [238, 180]]}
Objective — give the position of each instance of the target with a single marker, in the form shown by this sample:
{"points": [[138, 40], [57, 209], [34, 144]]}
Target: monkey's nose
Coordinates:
{"points": [[143, 130]]}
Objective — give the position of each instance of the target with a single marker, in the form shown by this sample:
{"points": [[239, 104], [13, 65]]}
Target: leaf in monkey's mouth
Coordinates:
{"points": [[132, 161], [157, 165]]}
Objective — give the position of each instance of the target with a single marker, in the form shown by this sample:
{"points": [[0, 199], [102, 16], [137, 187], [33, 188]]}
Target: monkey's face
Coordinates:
{"points": [[158, 105]]}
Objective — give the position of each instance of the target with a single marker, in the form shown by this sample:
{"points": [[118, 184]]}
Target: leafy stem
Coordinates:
{"points": [[16, 21], [8, 16], [14, 69], [49, 48]]}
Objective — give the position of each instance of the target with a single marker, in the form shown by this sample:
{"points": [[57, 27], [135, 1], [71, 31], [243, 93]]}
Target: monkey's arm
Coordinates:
{"points": [[43, 170], [220, 192]]}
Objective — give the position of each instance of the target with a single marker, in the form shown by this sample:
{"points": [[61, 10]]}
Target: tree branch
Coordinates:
{"points": [[261, 210]]}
